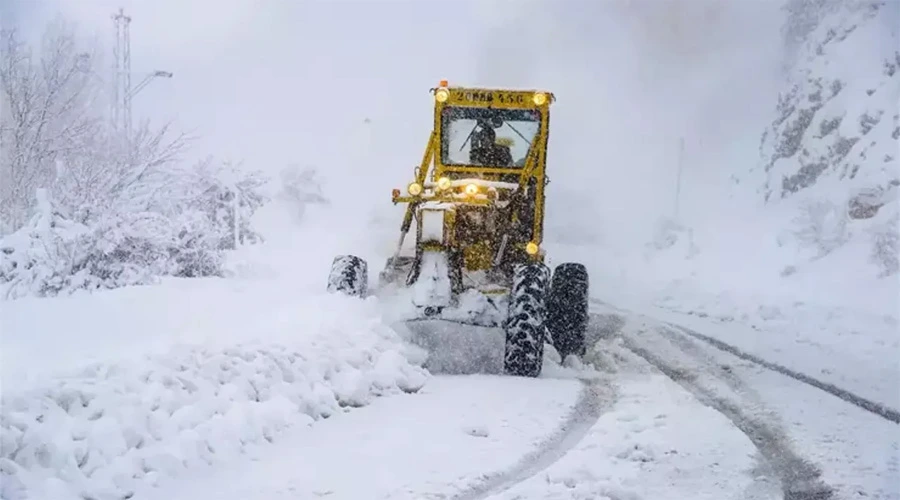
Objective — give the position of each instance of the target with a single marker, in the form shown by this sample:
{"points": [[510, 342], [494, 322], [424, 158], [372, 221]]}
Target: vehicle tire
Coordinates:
{"points": [[349, 275], [525, 326], [567, 308]]}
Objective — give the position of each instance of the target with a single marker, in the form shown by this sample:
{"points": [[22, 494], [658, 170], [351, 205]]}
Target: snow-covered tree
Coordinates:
{"points": [[97, 179], [820, 225], [81, 208], [886, 246], [228, 196], [46, 112]]}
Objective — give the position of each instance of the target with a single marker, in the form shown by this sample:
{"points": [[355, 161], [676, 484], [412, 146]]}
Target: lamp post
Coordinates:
{"points": [[123, 92], [678, 177], [134, 91], [121, 122]]}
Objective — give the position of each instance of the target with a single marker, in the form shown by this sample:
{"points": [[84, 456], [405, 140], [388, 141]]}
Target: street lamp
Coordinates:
{"points": [[146, 81]]}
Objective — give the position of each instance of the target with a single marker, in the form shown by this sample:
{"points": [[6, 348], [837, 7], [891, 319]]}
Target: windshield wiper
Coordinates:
{"points": [[468, 136], [520, 134]]}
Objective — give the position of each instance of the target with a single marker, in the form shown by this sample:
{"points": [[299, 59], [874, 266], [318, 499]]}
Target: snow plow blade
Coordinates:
{"points": [[456, 347]]}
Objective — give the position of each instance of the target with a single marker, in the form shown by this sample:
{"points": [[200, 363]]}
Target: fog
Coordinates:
{"points": [[343, 86], [633, 78]]}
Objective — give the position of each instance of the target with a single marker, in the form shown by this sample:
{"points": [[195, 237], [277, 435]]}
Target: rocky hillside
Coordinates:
{"points": [[837, 122], [831, 153]]}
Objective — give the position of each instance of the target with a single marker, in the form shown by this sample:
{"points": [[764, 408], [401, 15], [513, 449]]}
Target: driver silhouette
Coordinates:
{"points": [[485, 151]]}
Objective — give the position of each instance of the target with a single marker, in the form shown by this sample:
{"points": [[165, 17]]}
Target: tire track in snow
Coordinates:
{"points": [[800, 479], [591, 404], [870, 406]]}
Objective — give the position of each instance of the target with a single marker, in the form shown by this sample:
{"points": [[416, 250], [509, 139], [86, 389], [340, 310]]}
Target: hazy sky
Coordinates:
{"points": [[280, 81]]}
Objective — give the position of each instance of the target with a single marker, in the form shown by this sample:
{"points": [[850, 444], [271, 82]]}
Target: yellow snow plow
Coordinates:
{"points": [[476, 206]]}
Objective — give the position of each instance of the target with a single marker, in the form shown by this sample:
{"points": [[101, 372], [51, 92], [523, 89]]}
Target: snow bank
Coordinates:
{"points": [[435, 444], [193, 372]]}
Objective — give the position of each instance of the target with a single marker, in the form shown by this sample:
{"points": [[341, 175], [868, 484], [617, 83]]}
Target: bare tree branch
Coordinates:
{"points": [[48, 110]]}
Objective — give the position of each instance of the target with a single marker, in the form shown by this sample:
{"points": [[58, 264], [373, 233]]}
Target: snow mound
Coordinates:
{"points": [[108, 428]]}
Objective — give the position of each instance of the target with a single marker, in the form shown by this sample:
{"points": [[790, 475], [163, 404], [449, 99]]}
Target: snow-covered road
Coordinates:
{"points": [[343, 411], [813, 440], [492, 437], [627, 431], [451, 435], [665, 417]]}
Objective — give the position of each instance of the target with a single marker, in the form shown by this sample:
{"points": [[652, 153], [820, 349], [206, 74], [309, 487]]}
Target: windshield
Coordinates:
{"points": [[487, 137]]}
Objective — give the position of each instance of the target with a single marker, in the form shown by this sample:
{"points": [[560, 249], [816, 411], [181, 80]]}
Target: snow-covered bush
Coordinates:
{"points": [[99, 178], [821, 226], [669, 234], [116, 241], [54, 255], [227, 196], [886, 245]]}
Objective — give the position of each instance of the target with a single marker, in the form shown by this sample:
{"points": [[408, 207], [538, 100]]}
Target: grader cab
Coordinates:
{"points": [[476, 206]]}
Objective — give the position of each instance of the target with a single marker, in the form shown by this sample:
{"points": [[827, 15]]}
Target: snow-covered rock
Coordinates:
{"points": [[823, 228], [838, 122]]}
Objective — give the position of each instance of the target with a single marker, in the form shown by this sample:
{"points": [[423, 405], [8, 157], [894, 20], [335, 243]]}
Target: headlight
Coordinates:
{"points": [[414, 189], [443, 183], [471, 189], [532, 248], [539, 99], [441, 95]]}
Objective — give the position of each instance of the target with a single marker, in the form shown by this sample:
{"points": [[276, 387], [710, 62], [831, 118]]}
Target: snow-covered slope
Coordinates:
{"points": [[830, 161], [838, 123], [831, 154], [813, 216]]}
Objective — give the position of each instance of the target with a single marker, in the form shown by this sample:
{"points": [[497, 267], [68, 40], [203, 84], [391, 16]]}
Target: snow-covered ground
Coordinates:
{"points": [[841, 327], [222, 388], [103, 393], [219, 387], [429, 445], [807, 434], [657, 441], [495, 437]]}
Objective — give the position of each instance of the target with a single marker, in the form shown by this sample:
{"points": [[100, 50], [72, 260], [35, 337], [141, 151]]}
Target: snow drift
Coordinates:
{"points": [[143, 414]]}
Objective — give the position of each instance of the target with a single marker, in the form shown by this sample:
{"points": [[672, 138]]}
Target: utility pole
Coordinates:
{"points": [[123, 93], [121, 112], [678, 179]]}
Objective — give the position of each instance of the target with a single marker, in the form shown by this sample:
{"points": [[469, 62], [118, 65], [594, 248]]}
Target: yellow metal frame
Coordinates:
{"points": [[432, 163]]}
